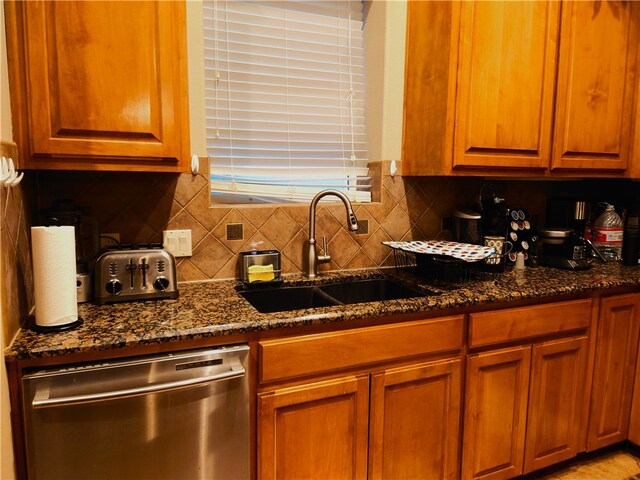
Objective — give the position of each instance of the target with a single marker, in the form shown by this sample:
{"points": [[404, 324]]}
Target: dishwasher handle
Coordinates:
{"points": [[44, 401]]}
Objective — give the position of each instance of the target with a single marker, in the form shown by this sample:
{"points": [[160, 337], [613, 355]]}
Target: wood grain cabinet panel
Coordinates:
{"points": [[316, 430], [520, 88], [634, 421], [506, 81], [556, 397], [326, 352], [614, 370], [99, 85], [495, 414], [415, 422], [596, 85]]}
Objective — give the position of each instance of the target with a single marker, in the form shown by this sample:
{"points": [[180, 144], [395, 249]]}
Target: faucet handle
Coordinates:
{"points": [[326, 257]]}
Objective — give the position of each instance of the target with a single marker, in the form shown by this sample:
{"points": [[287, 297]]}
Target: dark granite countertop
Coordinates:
{"points": [[210, 309]]}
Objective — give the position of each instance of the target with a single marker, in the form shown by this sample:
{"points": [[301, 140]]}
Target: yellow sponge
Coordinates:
{"points": [[262, 273]]}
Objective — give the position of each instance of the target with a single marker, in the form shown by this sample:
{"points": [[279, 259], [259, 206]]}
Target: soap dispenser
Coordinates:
{"points": [[260, 267]]}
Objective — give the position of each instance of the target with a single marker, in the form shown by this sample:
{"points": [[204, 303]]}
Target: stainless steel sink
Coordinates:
{"points": [[355, 291]]}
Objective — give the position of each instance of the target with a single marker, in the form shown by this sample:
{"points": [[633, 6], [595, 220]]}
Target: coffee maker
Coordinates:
{"points": [[564, 242]]}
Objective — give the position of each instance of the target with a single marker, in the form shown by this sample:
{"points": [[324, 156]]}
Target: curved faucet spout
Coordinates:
{"points": [[312, 258]]}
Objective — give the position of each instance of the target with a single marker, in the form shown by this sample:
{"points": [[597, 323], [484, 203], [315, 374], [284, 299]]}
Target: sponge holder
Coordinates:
{"points": [[263, 258]]}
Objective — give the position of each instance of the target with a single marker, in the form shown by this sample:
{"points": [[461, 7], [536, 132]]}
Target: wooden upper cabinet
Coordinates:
{"points": [[596, 85], [506, 78], [99, 85], [520, 88]]}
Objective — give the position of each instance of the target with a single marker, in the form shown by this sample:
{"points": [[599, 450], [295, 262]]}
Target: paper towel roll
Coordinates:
{"points": [[54, 275]]}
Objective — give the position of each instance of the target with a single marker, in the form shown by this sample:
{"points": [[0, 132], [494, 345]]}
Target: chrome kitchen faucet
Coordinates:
{"points": [[312, 257]]}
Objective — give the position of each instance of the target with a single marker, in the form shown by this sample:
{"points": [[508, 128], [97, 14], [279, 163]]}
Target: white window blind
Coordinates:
{"points": [[285, 100]]}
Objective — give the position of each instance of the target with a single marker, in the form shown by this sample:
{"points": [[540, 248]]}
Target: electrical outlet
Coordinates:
{"points": [[178, 242], [109, 240]]}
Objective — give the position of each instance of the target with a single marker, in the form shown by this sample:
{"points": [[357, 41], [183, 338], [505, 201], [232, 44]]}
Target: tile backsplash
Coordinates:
{"points": [[17, 275], [139, 206]]}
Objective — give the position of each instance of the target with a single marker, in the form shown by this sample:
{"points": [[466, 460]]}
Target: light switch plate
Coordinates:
{"points": [[178, 242]]}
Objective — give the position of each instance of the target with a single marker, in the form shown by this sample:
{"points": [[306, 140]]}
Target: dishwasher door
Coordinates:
{"points": [[173, 416]]}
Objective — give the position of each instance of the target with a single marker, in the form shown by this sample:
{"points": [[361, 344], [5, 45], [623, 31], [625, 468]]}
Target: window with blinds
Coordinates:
{"points": [[285, 100]]}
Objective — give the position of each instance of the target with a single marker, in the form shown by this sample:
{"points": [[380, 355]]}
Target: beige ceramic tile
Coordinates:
{"points": [[280, 228], [187, 271], [326, 225], [360, 261], [131, 227], [208, 216], [299, 213], [294, 253], [429, 225], [374, 247], [184, 221], [157, 212], [342, 248], [188, 186], [416, 203], [396, 186], [210, 256], [257, 215], [397, 223], [220, 231], [363, 214]]}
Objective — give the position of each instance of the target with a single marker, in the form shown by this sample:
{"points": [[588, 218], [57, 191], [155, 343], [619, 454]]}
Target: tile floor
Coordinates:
{"points": [[613, 465]]}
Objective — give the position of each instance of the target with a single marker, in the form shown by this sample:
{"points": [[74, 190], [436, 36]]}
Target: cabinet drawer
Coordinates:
{"points": [[313, 354], [487, 328]]}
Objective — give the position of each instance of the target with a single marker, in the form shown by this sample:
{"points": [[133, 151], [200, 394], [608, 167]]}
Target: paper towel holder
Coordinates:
{"points": [[31, 323]]}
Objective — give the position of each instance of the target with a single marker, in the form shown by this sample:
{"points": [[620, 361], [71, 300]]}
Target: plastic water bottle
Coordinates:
{"points": [[607, 233]]}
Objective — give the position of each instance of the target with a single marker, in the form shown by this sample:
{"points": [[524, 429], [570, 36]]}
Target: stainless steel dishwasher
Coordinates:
{"points": [[175, 416]]}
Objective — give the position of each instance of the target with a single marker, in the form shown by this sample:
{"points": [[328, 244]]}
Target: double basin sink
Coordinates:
{"points": [[283, 299]]}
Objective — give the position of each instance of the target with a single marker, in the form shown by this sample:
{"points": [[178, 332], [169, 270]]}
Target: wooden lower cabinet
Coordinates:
{"points": [[614, 370], [495, 414], [523, 408], [407, 426], [415, 422], [316, 430], [634, 421], [556, 397]]}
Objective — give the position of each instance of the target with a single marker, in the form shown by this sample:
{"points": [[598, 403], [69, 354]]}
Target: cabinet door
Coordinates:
{"points": [[506, 78], [415, 421], [595, 89], [316, 430], [495, 413], [104, 83], [556, 397], [634, 422], [614, 370]]}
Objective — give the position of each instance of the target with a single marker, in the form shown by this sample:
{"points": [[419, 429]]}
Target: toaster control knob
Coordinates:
{"points": [[113, 287], [161, 283]]}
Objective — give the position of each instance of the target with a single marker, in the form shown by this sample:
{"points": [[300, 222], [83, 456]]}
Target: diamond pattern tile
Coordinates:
{"points": [[140, 206], [280, 228], [184, 221], [342, 248], [397, 223], [208, 216], [210, 256], [220, 231]]}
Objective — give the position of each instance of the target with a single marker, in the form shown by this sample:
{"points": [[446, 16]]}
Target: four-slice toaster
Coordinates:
{"points": [[135, 272]]}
